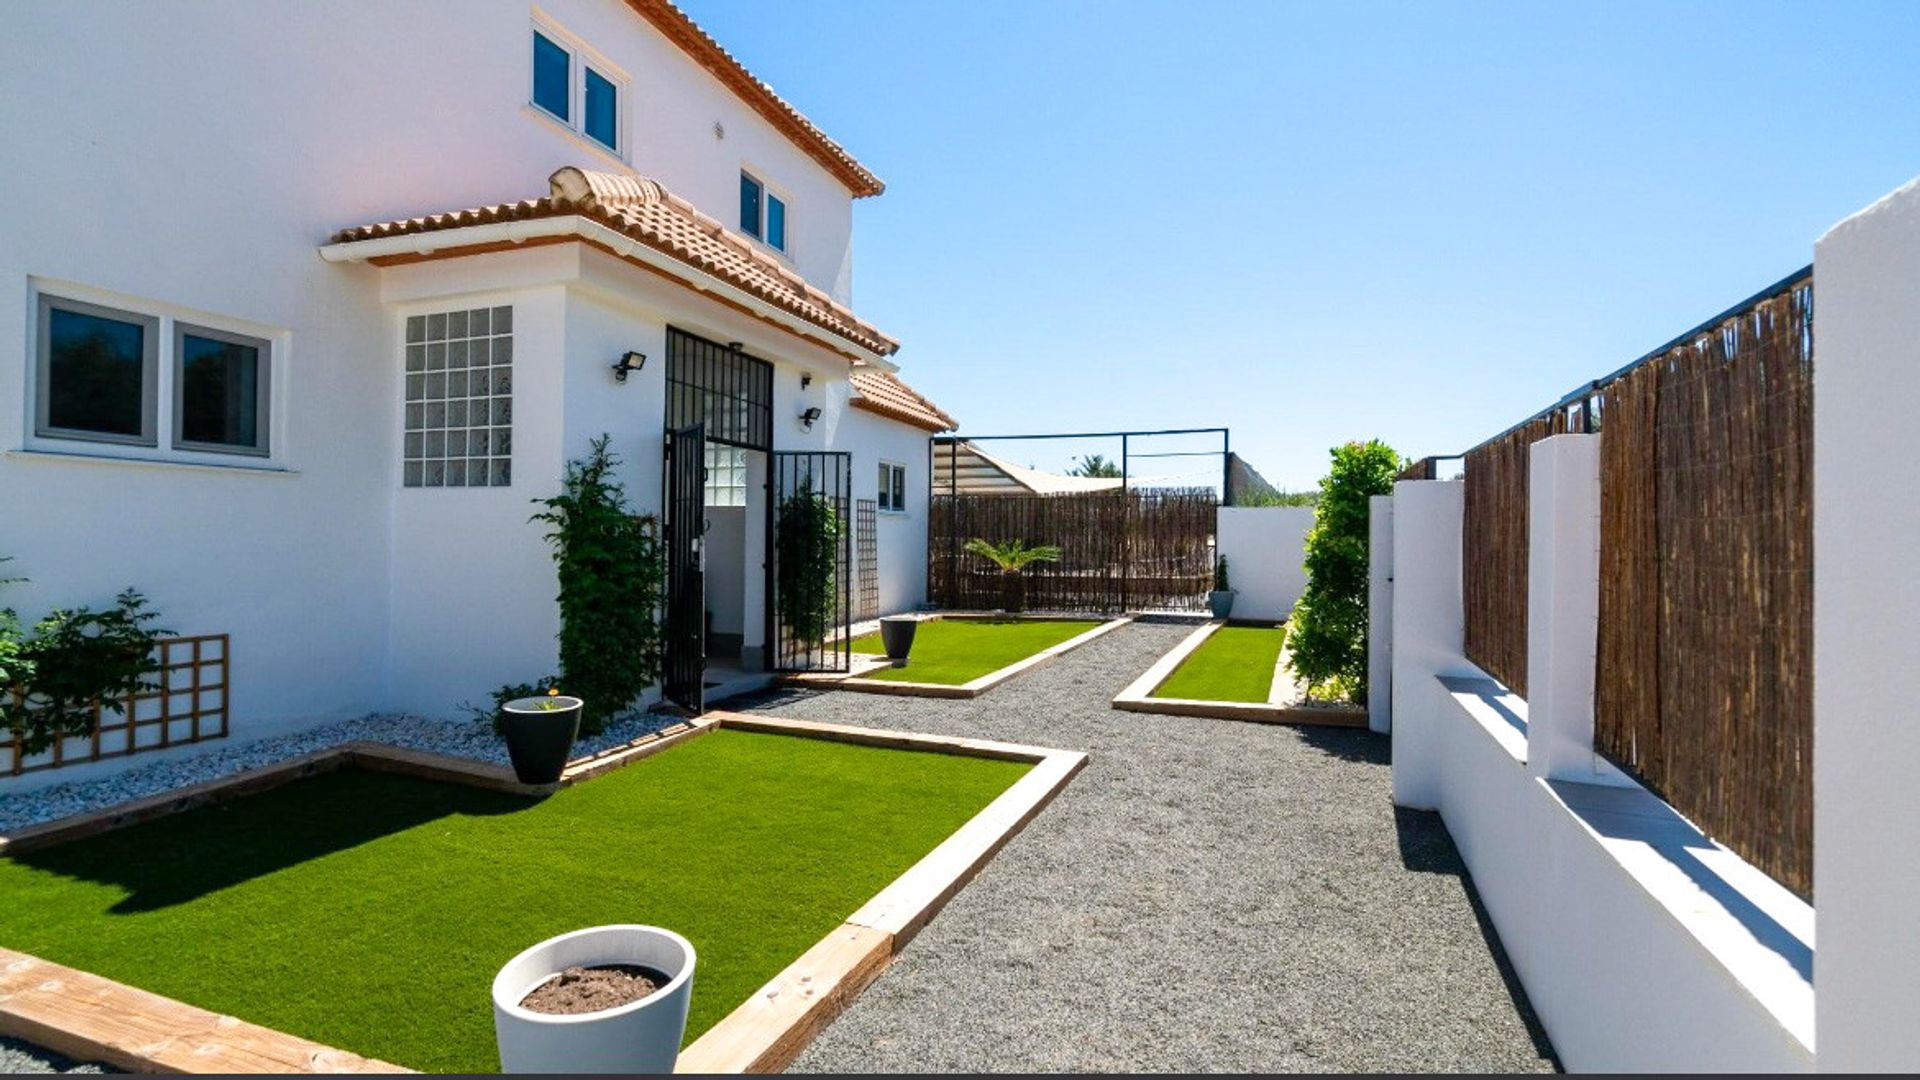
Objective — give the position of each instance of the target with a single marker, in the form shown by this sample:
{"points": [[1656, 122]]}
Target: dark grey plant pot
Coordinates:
{"points": [[897, 635], [1220, 602], [540, 740]]}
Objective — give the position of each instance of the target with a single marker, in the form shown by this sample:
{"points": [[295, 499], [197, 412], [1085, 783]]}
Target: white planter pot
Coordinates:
{"points": [[639, 1037]]}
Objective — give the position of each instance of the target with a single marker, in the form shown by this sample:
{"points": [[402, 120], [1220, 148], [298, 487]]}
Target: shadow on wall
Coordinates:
{"points": [[1427, 848]]}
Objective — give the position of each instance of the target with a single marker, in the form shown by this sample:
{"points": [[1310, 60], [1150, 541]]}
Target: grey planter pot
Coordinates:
{"points": [[1220, 602], [897, 635], [540, 740]]}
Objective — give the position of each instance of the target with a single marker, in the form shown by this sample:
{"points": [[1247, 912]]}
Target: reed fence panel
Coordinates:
{"points": [[1704, 688], [1142, 550], [1494, 551]]}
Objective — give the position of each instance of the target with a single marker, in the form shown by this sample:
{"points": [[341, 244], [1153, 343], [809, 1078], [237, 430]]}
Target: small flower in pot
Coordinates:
{"points": [[540, 731]]}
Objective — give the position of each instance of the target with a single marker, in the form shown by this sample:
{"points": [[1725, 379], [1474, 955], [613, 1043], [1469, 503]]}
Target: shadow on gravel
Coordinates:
{"points": [[1427, 848], [1349, 744]]}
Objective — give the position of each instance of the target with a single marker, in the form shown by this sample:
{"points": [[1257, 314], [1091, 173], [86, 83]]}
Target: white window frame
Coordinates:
{"points": [[580, 58], [768, 192], [263, 390], [41, 398], [885, 500], [161, 392]]}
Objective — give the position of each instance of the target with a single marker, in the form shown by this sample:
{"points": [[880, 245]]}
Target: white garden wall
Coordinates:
{"points": [[1866, 619], [1265, 549]]}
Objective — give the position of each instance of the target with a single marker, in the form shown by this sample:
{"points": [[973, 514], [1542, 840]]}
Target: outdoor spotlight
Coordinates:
{"points": [[807, 418], [735, 346], [806, 380], [630, 362]]}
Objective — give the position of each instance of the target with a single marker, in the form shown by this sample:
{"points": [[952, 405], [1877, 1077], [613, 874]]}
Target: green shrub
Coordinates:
{"points": [[807, 547], [1276, 498], [612, 568], [1221, 581], [73, 659], [1013, 557], [1328, 629]]}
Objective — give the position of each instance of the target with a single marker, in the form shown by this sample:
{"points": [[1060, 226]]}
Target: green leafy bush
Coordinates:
{"points": [[51, 679], [807, 547], [1276, 498], [612, 568], [1328, 629]]}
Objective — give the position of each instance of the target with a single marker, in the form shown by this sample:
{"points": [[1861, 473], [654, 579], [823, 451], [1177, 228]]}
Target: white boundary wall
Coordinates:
{"points": [[1265, 549], [1642, 944], [1866, 621]]}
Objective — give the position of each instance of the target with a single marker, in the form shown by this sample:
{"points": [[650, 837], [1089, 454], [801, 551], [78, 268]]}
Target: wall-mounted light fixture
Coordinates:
{"points": [[809, 416], [627, 364], [735, 346], [806, 380]]}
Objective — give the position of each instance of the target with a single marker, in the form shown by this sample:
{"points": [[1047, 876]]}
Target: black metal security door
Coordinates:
{"points": [[686, 652], [810, 537]]}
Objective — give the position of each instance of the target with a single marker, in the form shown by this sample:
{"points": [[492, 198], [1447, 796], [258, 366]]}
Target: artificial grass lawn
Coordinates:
{"points": [[1234, 664], [370, 911], [956, 651]]}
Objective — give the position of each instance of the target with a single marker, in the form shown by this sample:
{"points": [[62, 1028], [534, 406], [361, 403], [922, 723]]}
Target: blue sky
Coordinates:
{"points": [[1312, 223]]}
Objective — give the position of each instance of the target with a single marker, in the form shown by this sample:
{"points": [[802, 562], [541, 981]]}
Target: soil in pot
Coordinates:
{"points": [[593, 989]]}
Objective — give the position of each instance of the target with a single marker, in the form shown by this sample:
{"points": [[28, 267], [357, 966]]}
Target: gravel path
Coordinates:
{"points": [[1205, 896], [18, 1057]]}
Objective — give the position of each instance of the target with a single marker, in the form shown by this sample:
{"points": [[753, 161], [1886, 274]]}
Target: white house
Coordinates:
{"points": [[310, 307]]}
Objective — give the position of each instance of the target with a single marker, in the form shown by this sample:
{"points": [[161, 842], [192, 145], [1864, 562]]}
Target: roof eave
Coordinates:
{"points": [[451, 242]]}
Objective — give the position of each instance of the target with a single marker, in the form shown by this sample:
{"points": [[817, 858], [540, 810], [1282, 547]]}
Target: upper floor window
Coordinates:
{"points": [[99, 372], [763, 215], [577, 89]]}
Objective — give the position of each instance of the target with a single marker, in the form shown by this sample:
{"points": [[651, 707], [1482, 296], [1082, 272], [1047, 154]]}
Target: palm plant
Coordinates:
{"points": [[1013, 557]]}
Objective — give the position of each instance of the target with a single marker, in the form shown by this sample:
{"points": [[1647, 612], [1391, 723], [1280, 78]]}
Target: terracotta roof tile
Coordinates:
{"points": [[708, 53], [883, 393], [644, 210]]}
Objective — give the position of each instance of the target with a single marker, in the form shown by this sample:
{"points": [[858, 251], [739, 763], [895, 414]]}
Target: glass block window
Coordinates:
{"points": [[726, 475], [459, 399]]}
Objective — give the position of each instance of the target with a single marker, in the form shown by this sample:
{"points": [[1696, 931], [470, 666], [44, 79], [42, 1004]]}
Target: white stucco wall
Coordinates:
{"points": [[1866, 618], [901, 538], [1265, 549], [1642, 945], [343, 593]]}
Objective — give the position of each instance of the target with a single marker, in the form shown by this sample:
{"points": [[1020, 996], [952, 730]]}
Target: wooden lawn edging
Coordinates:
{"points": [[972, 688], [91, 1018], [1138, 696]]}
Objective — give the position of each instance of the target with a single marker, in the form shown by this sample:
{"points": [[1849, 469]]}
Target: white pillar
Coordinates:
{"points": [[1563, 608], [1380, 613], [1866, 640], [1429, 628]]}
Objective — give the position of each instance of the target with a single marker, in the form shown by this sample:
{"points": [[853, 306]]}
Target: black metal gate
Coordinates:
{"points": [[810, 539], [686, 651]]}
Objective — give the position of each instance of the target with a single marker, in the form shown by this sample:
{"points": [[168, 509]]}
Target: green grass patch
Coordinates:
{"points": [[1234, 664], [370, 911], [956, 651]]}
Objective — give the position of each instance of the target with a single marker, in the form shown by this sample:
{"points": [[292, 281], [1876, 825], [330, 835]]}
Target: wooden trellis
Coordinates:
{"points": [[186, 703]]}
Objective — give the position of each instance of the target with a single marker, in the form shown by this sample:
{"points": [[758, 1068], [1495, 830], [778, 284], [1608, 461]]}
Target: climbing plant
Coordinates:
{"points": [[612, 567], [73, 659], [807, 552], [1328, 630]]}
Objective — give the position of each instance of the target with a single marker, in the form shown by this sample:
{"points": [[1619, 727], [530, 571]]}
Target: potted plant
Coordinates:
{"points": [[896, 633], [1220, 600], [608, 999], [1013, 558], [540, 731]]}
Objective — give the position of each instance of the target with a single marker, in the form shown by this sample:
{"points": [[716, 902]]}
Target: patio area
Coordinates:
{"points": [[1204, 896]]}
